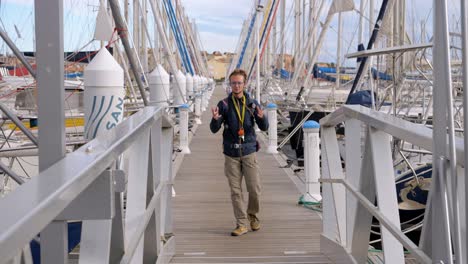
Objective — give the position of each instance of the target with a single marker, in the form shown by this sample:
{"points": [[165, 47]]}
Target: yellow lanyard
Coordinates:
{"points": [[237, 106]]}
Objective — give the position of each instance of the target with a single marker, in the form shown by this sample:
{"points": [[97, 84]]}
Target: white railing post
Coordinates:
{"points": [[353, 158], [183, 131], [312, 161], [137, 171], [386, 192], [272, 129], [165, 213], [334, 195]]}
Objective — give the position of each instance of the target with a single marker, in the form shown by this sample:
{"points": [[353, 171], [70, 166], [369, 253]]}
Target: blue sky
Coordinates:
{"points": [[219, 23]]}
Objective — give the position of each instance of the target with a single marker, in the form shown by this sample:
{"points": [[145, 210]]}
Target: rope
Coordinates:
{"points": [[315, 206]]}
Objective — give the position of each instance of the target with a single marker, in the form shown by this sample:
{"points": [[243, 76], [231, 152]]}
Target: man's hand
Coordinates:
{"points": [[215, 112], [259, 111]]}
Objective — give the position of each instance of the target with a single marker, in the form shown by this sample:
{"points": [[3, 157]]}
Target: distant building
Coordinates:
{"points": [[218, 64]]}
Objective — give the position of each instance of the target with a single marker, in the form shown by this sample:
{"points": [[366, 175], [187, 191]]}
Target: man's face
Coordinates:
{"points": [[237, 84]]}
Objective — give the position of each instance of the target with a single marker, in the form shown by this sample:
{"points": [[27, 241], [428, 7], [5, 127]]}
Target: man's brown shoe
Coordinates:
{"points": [[254, 223], [239, 231]]}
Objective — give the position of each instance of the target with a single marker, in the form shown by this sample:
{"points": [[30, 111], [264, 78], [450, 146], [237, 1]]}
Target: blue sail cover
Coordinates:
{"points": [[361, 98], [284, 74], [380, 75]]}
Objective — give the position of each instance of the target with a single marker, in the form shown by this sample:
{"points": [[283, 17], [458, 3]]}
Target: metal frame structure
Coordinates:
{"points": [[89, 185], [369, 176], [131, 165]]}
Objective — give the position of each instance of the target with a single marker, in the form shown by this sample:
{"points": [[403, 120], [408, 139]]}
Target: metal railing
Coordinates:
{"points": [[119, 185], [349, 197]]}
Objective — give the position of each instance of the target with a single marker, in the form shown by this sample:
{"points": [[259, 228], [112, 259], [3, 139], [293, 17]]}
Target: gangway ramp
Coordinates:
{"points": [[203, 216]]}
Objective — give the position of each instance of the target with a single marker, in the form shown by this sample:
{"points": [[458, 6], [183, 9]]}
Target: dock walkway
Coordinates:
{"points": [[203, 216]]}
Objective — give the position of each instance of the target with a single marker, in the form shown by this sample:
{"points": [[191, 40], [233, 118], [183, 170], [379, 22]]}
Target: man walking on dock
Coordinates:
{"points": [[239, 113]]}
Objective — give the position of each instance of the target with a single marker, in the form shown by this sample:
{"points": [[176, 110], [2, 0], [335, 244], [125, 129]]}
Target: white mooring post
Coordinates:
{"points": [[193, 93], [183, 132], [159, 83], [272, 129], [212, 87], [104, 94], [206, 95], [103, 102], [312, 161], [198, 91], [179, 92], [189, 86], [198, 109], [204, 91]]}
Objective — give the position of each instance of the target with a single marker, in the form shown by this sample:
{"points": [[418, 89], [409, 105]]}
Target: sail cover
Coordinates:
{"points": [[104, 27], [341, 6]]}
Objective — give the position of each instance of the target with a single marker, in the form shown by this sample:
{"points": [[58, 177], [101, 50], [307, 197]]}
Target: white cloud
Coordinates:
{"points": [[220, 8], [218, 42], [219, 22], [20, 2]]}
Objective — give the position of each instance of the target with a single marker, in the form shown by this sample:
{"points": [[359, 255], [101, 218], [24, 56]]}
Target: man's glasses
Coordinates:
{"points": [[236, 83]]}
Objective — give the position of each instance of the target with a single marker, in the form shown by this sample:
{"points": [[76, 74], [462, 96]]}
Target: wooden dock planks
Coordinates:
{"points": [[203, 216]]}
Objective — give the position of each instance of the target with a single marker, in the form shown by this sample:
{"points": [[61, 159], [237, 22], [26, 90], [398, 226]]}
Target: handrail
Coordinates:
{"points": [[416, 134], [348, 210], [44, 197], [414, 249]]}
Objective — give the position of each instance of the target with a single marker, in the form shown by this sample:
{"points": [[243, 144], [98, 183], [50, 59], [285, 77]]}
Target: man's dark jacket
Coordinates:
{"points": [[231, 123]]}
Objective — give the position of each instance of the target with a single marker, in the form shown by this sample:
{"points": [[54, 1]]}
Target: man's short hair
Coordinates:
{"points": [[238, 72]]}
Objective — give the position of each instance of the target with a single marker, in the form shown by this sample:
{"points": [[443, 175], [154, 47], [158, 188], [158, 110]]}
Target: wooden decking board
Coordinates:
{"points": [[203, 217]]}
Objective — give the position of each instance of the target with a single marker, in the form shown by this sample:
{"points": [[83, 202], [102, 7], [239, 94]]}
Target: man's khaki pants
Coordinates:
{"points": [[235, 169]]}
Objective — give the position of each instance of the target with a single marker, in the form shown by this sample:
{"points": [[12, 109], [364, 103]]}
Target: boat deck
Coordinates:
{"points": [[203, 216]]}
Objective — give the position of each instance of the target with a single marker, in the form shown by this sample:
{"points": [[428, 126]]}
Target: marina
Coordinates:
{"points": [[109, 151]]}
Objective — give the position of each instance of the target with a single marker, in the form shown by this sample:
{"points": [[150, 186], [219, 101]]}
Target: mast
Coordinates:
{"points": [[297, 32], [120, 23], [403, 33], [396, 41], [282, 41], [136, 27], [464, 32], [17, 53], [311, 21], [165, 43], [370, 81], [156, 42], [102, 3], [274, 47], [338, 58], [304, 26], [144, 48], [370, 44], [257, 49], [361, 22], [300, 64]]}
